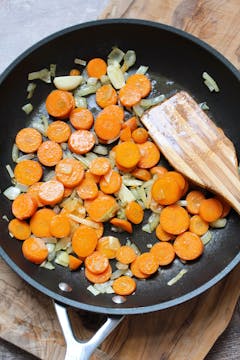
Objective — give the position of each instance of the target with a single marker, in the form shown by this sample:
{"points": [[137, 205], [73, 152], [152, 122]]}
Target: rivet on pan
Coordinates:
{"points": [[64, 287], [118, 299]]}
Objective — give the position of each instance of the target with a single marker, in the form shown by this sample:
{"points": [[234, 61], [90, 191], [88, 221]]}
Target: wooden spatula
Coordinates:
{"points": [[195, 146]]}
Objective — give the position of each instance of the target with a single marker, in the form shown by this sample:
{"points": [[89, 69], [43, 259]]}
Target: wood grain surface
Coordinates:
{"points": [[185, 332]]}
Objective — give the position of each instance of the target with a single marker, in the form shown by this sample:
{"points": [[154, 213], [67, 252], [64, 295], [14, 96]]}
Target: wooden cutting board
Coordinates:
{"points": [[187, 331]]}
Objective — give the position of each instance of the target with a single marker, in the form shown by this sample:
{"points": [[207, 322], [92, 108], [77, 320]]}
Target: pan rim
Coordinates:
{"points": [[118, 310]]}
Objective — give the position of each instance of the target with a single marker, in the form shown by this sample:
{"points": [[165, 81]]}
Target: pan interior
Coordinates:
{"points": [[175, 62]]}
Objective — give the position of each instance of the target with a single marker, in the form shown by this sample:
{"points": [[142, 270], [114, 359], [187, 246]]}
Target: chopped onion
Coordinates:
{"points": [[100, 150], [10, 171], [51, 174], [132, 182], [43, 75], [80, 62], [147, 103], [204, 106], [50, 247], [53, 68], [116, 76], [210, 82], [80, 102], [92, 81], [104, 79], [12, 192], [116, 274], [63, 243], [206, 237], [4, 217], [125, 195], [87, 89], [138, 110], [115, 56], [47, 265], [49, 240], [153, 221], [27, 108], [182, 202], [121, 266], [56, 209], [89, 223], [142, 70], [62, 258], [22, 187], [25, 157], [15, 153], [64, 146], [93, 290], [149, 246], [40, 127], [30, 90], [67, 82], [218, 224], [177, 277], [129, 60]]}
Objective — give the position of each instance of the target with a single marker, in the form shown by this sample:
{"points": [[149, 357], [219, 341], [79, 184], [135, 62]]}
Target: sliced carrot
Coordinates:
{"points": [[159, 170], [33, 190], [125, 254], [88, 202], [188, 246], [165, 190], [123, 224], [74, 262], [28, 140], [67, 192], [19, 229], [94, 177], [132, 123], [141, 174], [135, 269], [164, 253], [174, 219], [210, 209], [108, 245], [111, 182], [74, 72], [140, 82], [106, 95], [194, 199], [69, 172], [99, 228], [24, 206], [127, 154], [107, 126], [49, 153], [99, 278], [148, 264], [125, 134], [28, 172], [134, 212], [87, 189], [100, 166], [59, 103], [198, 225], [81, 141], [58, 131], [81, 118], [96, 67], [129, 95], [150, 155], [124, 285], [34, 250], [97, 262], [140, 135], [103, 208], [186, 187], [115, 110], [60, 226], [226, 207], [84, 241], [162, 234], [40, 222], [178, 178], [51, 192]]}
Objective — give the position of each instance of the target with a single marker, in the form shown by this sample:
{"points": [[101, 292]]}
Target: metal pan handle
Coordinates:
{"points": [[82, 350]]}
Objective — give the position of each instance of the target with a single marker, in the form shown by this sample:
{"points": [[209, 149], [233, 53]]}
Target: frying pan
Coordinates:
{"points": [[176, 61]]}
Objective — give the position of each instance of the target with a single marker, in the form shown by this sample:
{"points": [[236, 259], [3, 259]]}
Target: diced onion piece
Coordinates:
{"points": [[153, 221], [206, 237], [89, 223], [218, 224], [142, 70], [80, 102], [47, 265], [62, 258], [116, 76], [80, 62], [115, 56], [10, 171], [149, 246], [63, 244], [121, 266], [49, 175], [104, 79], [4, 217], [43, 75], [132, 182], [22, 187], [116, 274], [53, 68], [12, 192], [67, 82], [125, 195], [49, 240], [64, 146], [15, 153], [40, 127], [177, 277], [135, 248], [25, 157], [204, 106], [138, 110], [129, 60], [147, 103], [30, 89], [50, 247], [27, 108], [87, 89], [182, 202], [93, 290], [103, 287], [92, 81], [100, 150], [210, 82]]}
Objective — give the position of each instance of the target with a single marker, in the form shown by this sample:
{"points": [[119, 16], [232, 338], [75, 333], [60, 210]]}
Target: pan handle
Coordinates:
{"points": [[82, 350]]}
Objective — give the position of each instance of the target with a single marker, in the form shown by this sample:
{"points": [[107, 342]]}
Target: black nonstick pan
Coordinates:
{"points": [[176, 61]]}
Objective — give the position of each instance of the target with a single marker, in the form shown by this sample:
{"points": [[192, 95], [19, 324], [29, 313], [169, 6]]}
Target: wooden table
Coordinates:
{"points": [[188, 331]]}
